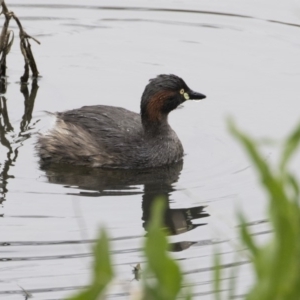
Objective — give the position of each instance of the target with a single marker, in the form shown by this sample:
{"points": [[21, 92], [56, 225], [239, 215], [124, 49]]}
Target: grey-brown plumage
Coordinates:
{"points": [[113, 137]]}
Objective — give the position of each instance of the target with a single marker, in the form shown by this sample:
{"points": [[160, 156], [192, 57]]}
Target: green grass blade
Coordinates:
{"points": [[217, 276], [290, 147], [102, 273], [246, 236], [233, 279], [277, 263], [166, 271]]}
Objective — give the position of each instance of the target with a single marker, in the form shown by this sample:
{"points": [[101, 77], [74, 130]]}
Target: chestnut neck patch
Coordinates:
{"points": [[155, 111]]}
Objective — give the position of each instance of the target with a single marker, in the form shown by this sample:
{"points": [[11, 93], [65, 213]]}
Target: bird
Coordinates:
{"points": [[102, 136]]}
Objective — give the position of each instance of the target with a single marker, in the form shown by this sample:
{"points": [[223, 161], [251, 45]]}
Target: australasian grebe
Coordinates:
{"points": [[114, 137]]}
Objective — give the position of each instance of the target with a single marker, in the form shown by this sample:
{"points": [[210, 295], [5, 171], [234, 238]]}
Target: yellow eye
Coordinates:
{"points": [[186, 96], [181, 91]]}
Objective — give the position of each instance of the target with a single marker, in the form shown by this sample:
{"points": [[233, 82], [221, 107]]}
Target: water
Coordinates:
{"points": [[244, 58]]}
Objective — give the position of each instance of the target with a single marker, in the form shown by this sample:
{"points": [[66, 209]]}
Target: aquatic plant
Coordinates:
{"points": [[276, 264], [162, 278], [6, 41], [102, 270]]}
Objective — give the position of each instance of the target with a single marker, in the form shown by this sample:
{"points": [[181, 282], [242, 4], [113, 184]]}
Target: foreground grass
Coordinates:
{"points": [[276, 264]]}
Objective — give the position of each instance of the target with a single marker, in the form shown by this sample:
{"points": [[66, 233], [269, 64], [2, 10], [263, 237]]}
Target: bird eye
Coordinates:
{"points": [[181, 91], [186, 96]]}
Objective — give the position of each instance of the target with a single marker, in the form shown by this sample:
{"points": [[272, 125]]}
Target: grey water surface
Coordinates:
{"points": [[245, 58]]}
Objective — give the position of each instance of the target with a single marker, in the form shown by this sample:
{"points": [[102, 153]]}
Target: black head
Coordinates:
{"points": [[163, 94]]}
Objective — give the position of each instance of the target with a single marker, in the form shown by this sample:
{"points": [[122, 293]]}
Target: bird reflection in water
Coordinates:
{"points": [[157, 182]]}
